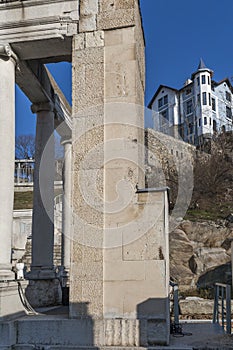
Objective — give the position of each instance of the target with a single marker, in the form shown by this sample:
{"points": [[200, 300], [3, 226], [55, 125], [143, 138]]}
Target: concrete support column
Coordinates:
{"points": [[66, 218], [43, 200], [44, 288], [7, 146]]}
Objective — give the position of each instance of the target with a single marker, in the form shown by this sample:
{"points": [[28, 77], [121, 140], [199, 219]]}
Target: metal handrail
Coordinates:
{"points": [[222, 301], [175, 292]]}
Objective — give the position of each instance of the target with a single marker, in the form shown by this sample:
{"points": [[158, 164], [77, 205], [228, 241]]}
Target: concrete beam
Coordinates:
{"points": [[37, 83], [39, 29]]}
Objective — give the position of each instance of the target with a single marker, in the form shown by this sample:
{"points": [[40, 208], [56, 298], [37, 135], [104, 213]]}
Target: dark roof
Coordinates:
{"points": [[201, 65], [158, 91], [185, 86], [225, 80]]}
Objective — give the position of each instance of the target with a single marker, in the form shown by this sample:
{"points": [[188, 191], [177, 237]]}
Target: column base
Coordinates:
{"points": [[11, 305], [44, 292], [41, 273]]}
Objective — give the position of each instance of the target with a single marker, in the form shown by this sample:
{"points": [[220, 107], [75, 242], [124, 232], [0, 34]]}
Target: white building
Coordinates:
{"points": [[200, 109]]}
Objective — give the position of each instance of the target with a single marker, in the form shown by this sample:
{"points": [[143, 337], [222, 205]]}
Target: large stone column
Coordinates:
{"points": [[42, 275], [66, 218], [43, 200], [7, 146], [119, 275], [10, 303]]}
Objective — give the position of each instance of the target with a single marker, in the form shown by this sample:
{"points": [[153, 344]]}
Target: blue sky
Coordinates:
{"points": [[178, 33]]}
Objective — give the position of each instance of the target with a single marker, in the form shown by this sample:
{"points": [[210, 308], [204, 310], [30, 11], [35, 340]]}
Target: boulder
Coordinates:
{"points": [[196, 248]]}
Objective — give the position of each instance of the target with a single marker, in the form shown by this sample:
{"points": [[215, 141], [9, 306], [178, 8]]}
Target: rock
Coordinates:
{"points": [[218, 274], [207, 258], [227, 244], [193, 307], [196, 306], [196, 248], [181, 250], [193, 264]]}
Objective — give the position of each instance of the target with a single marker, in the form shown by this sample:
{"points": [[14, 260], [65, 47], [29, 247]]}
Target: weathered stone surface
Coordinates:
{"points": [[207, 234], [87, 24], [88, 7], [79, 42], [41, 293], [197, 308], [219, 273], [120, 249], [117, 14], [115, 19], [95, 39], [197, 252]]}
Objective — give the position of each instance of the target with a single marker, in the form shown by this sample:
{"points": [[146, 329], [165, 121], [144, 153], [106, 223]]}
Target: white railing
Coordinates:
{"points": [[24, 170]]}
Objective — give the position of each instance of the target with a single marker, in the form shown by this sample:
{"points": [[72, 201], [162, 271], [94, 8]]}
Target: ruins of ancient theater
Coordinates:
{"points": [[115, 265]]}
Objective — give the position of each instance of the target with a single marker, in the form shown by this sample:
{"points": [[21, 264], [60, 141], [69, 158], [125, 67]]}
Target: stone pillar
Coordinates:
{"points": [[7, 146], [119, 271], [66, 218], [10, 303], [42, 275], [43, 200]]}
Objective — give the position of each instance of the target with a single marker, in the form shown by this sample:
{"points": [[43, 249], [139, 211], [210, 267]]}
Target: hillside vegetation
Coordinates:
{"points": [[213, 181]]}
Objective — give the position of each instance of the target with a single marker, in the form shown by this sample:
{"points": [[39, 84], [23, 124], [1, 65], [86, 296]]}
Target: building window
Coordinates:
{"points": [[205, 120], [190, 128], [213, 104], [204, 98], [228, 112], [199, 122], [188, 91], [160, 102], [210, 121], [189, 107], [209, 99], [198, 81], [228, 96], [203, 79], [163, 101], [165, 114], [208, 80]]}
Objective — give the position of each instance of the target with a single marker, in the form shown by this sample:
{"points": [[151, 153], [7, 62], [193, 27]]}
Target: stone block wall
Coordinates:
{"points": [[170, 162], [119, 255]]}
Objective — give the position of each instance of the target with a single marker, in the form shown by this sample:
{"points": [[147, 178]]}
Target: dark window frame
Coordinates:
{"points": [[203, 79], [204, 98]]}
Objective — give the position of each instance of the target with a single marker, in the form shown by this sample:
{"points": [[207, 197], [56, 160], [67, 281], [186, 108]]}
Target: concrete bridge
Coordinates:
{"points": [[115, 231]]}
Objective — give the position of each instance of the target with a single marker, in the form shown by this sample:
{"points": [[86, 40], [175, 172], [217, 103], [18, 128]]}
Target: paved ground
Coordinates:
{"points": [[202, 335], [193, 335]]}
